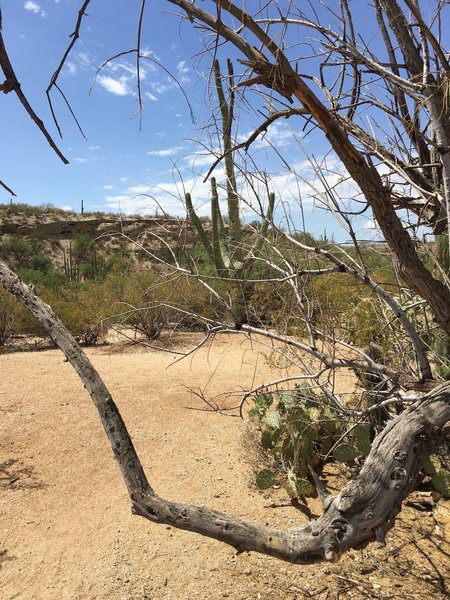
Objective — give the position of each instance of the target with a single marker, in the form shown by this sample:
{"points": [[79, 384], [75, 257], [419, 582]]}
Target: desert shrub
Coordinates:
{"points": [[442, 341], [153, 301], [86, 311], [142, 310], [15, 208], [442, 349], [363, 323], [348, 310], [50, 280], [40, 262], [82, 247], [17, 250], [272, 304], [26, 323]]}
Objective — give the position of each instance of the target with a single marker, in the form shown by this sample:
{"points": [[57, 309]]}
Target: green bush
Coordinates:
{"points": [[15, 208], [86, 310], [152, 301], [40, 262], [17, 250], [50, 280]]}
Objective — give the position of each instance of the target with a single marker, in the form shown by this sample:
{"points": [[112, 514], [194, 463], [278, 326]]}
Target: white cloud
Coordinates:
{"points": [[123, 179], [71, 67], [35, 8], [92, 148], [278, 134], [115, 86], [370, 225], [84, 60], [201, 160], [166, 196], [108, 187], [143, 188], [67, 207], [150, 96], [181, 67], [159, 87], [80, 160], [166, 152]]}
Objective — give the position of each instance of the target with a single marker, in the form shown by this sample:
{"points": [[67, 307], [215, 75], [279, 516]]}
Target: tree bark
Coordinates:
{"points": [[364, 510]]}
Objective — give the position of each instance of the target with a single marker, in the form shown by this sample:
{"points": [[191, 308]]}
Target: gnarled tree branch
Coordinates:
{"points": [[363, 511]]}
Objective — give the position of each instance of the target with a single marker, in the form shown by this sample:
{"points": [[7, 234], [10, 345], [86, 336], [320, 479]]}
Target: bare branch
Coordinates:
{"points": [[11, 84], [9, 190], [138, 61], [53, 81], [256, 133], [355, 516]]}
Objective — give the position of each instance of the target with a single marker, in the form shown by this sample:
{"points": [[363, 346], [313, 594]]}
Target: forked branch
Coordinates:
{"points": [[11, 84], [363, 511]]}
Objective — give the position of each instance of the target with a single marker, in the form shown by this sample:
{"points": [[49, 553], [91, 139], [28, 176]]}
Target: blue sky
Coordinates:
{"points": [[122, 167]]}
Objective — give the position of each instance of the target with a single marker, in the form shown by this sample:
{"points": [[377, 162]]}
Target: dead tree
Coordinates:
{"points": [[413, 72], [424, 83], [363, 511]]}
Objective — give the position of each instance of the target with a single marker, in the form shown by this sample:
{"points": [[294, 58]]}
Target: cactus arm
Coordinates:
{"points": [[217, 233], [199, 227], [235, 233]]}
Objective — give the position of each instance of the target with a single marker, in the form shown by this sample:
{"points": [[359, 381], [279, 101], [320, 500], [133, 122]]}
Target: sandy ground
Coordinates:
{"points": [[66, 530]]}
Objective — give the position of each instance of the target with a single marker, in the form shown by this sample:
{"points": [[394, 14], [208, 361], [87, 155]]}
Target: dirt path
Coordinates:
{"points": [[66, 530]]}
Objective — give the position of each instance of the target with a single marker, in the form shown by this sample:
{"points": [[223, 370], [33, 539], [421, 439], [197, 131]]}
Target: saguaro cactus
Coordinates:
{"points": [[224, 245]]}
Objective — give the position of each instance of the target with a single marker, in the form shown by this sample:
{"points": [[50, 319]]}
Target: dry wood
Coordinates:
{"points": [[363, 511]]}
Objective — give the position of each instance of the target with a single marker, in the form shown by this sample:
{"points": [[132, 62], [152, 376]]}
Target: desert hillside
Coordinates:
{"points": [[51, 231]]}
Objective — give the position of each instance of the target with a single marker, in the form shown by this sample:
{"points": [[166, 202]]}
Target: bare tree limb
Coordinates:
{"points": [[53, 81], [11, 84], [363, 511], [282, 78], [9, 190]]}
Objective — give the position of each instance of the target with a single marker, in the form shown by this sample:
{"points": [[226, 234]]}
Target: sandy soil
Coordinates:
{"points": [[66, 530]]}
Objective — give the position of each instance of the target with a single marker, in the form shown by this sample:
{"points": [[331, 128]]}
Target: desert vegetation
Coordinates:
{"points": [[381, 310]]}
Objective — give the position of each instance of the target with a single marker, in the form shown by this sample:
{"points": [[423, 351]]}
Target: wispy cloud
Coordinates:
{"points": [[119, 87], [35, 8], [143, 188], [181, 67], [80, 160], [160, 87], [150, 96], [108, 187], [278, 135], [165, 152], [71, 67]]}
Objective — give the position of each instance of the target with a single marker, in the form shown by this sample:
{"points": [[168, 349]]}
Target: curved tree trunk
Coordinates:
{"points": [[363, 511]]}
